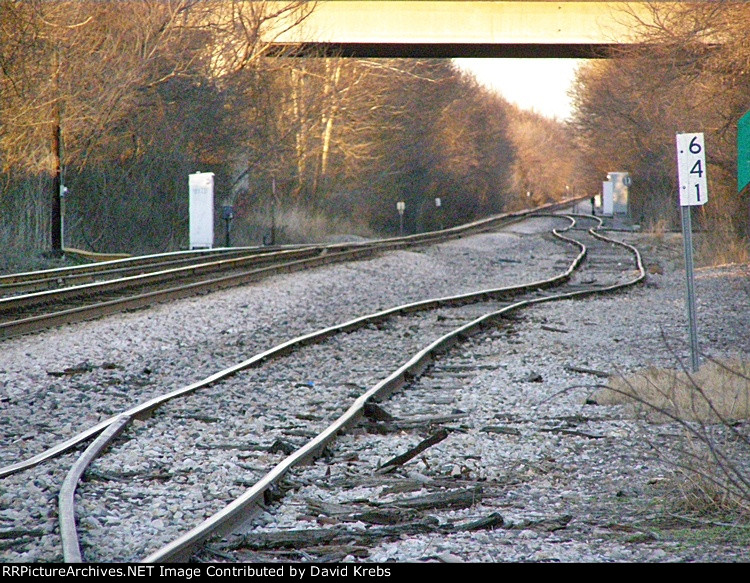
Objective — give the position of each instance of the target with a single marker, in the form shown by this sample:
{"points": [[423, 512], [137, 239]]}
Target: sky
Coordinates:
{"points": [[537, 84]]}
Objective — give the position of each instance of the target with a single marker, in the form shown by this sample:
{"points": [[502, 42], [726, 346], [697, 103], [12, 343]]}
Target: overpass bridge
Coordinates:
{"points": [[468, 28]]}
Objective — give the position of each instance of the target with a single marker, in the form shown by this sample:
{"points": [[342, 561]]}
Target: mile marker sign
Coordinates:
{"points": [[691, 175], [691, 169]]}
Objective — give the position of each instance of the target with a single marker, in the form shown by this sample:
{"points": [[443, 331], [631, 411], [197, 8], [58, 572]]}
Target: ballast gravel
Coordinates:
{"points": [[58, 382], [574, 481]]}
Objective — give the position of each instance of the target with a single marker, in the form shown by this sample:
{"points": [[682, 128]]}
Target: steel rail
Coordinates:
{"points": [[228, 518], [342, 252], [104, 266], [36, 281], [143, 409], [142, 279], [93, 255], [87, 312], [312, 257], [66, 497], [145, 260], [237, 512], [327, 254]]}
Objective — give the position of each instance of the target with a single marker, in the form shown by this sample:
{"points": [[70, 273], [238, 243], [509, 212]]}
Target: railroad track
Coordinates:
{"points": [[136, 286], [48, 279], [264, 431], [39, 300]]}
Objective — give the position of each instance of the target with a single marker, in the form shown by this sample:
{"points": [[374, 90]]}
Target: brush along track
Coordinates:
{"points": [[30, 312], [392, 340]]}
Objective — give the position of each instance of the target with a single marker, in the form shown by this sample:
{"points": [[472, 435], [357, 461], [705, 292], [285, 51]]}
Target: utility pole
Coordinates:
{"points": [[57, 186]]}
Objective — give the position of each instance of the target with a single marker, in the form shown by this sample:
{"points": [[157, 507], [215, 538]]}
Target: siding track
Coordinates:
{"points": [[75, 294]]}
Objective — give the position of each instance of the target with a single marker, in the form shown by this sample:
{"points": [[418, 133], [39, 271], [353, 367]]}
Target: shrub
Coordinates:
{"points": [[711, 461]]}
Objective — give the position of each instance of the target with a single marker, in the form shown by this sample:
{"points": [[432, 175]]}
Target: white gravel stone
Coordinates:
{"points": [[547, 474]]}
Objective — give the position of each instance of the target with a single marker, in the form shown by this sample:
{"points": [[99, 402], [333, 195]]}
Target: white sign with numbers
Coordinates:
{"points": [[691, 169]]}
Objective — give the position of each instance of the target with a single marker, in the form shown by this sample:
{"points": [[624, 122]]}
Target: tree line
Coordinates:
{"points": [[118, 102], [691, 73]]}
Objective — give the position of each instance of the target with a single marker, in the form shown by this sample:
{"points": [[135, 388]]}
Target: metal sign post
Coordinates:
{"points": [[687, 235], [227, 213], [691, 174], [743, 152], [401, 207]]}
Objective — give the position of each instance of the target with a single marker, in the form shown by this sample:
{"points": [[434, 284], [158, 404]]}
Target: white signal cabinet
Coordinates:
{"points": [[615, 194], [608, 190], [620, 182], [201, 186]]}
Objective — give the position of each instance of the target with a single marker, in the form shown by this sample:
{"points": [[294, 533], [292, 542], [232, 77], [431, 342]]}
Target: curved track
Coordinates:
{"points": [[464, 315], [612, 274]]}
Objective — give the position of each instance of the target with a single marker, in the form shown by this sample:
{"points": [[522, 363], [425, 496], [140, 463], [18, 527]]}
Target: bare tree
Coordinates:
{"points": [[690, 74], [75, 73]]}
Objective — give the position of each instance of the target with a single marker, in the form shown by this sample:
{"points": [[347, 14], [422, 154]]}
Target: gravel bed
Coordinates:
{"points": [[574, 481], [58, 382], [110, 364], [216, 442], [516, 377]]}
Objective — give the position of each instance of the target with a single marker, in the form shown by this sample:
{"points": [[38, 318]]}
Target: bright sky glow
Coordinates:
{"points": [[540, 85]]}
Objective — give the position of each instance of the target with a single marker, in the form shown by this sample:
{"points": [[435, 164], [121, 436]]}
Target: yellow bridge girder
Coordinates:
{"points": [[455, 28]]}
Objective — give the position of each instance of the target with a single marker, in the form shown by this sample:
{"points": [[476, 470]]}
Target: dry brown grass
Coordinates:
{"points": [[711, 247], [703, 487], [718, 392], [722, 250], [711, 463], [656, 227], [300, 225]]}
